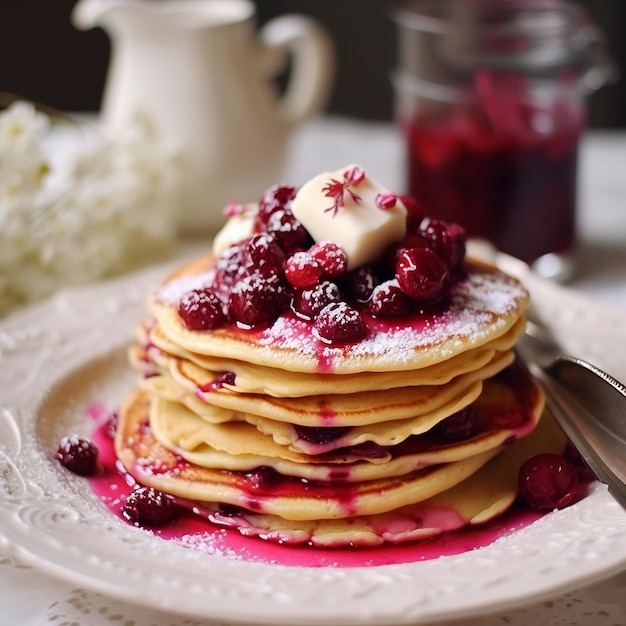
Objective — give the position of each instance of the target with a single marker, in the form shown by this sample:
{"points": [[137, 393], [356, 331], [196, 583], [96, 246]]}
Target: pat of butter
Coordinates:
{"points": [[359, 227], [237, 228]]}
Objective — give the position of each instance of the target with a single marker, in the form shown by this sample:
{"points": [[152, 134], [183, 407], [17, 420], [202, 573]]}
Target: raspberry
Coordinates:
{"points": [[201, 309], [547, 481], [275, 198], [332, 258], [422, 275], [289, 232], [302, 270], [261, 254], [78, 455], [150, 507], [340, 323], [308, 303], [256, 300]]}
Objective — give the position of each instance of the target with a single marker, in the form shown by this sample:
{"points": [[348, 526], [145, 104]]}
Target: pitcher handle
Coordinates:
{"points": [[313, 64]]}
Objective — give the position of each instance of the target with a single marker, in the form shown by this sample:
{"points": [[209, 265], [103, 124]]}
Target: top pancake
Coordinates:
{"points": [[481, 308]]}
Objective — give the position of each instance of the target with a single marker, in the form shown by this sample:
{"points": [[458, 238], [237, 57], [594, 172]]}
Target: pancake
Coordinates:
{"points": [[460, 492], [480, 309], [278, 382], [482, 497], [238, 447], [357, 409]]}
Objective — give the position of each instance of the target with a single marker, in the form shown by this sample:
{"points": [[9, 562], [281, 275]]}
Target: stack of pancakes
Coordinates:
{"points": [[418, 429]]}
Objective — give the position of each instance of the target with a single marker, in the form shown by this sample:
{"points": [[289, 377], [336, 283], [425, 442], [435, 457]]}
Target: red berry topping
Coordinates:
{"points": [[447, 240], [150, 507], [332, 258], [275, 198], [308, 303], [547, 481], [78, 455], [229, 266], [201, 309], [340, 323], [302, 270], [261, 254], [422, 275], [289, 232], [388, 301], [256, 300], [360, 283]]}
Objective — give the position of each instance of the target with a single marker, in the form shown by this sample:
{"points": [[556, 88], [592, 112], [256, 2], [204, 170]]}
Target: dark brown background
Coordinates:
{"points": [[43, 58]]}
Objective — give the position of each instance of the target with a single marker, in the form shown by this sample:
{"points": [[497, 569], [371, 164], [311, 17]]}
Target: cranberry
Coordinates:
{"points": [[360, 283], [547, 481], [410, 241], [458, 426], [229, 265], [150, 507], [275, 198], [338, 322], [320, 435], [78, 455], [256, 300], [422, 275], [308, 303], [332, 258], [445, 239], [261, 254], [388, 301], [302, 270], [201, 309], [289, 232]]}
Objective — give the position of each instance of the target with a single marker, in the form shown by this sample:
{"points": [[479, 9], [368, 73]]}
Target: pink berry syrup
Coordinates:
{"points": [[193, 531], [501, 166]]}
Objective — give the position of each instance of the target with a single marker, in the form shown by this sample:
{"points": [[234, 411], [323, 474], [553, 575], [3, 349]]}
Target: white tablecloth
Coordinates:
{"points": [[31, 598]]}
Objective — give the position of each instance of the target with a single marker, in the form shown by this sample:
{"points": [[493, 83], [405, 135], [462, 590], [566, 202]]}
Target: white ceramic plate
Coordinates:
{"points": [[67, 352]]}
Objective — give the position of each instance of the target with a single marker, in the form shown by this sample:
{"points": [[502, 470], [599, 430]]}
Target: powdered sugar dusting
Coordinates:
{"points": [[480, 308]]}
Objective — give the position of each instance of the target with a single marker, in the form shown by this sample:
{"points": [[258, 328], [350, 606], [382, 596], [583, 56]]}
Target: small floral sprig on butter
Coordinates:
{"points": [[336, 189], [69, 216]]}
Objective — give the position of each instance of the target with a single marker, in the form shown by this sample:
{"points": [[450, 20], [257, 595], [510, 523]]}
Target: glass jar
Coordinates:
{"points": [[491, 99]]}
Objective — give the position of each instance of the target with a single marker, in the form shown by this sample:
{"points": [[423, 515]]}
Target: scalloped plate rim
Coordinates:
{"points": [[125, 305]]}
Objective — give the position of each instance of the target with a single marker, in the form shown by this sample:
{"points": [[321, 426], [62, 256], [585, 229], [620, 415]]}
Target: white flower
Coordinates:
{"points": [[112, 211]]}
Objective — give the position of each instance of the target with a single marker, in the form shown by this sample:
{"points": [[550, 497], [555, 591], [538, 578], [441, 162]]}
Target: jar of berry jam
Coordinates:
{"points": [[491, 98]]}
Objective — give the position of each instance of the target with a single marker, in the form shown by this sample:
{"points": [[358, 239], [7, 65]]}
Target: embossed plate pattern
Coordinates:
{"points": [[59, 355]]}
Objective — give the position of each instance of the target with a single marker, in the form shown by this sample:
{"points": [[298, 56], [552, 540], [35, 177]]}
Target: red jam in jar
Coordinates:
{"points": [[501, 166]]}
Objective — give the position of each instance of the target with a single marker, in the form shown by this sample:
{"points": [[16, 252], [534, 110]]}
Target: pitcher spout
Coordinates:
{"points": [[88, 14]]}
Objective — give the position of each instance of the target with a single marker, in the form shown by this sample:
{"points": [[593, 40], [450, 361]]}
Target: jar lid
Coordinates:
{"points": [[510, 34], [516, 35]]}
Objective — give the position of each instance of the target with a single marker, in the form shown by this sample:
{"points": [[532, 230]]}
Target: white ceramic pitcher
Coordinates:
{"points": [[201, 71]]}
